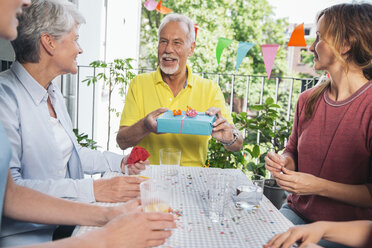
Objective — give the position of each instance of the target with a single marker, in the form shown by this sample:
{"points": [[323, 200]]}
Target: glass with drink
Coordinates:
{"points": [[249, 196], [155, 196]]}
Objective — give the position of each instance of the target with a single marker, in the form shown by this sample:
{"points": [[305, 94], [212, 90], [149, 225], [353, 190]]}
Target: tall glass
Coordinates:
{"points": [[170, 159], [218, 194]]}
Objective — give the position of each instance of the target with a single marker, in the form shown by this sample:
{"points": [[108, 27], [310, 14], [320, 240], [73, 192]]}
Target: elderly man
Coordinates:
{"points": [[173, 86], [126, 225]]}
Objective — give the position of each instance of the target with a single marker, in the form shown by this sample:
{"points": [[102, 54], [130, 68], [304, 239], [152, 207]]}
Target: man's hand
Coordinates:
{"points": [[129, 136], [117, 189], [221, 128], [137, 230], [150, 120], [223, 131]]}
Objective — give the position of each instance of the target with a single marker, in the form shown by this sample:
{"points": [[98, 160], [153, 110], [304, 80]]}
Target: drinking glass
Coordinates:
{"points": [[170, 159], [218, 192], [249, 196], [155, 196]]}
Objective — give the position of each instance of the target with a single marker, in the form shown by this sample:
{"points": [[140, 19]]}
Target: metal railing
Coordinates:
{"points": [[237, 88], [249, 89]]}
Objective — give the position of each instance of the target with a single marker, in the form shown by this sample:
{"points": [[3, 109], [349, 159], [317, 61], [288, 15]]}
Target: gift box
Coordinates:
{"points": [[201, 124]]}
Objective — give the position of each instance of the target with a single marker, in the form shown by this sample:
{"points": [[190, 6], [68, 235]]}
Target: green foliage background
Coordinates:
{"points": [[240, 20]]}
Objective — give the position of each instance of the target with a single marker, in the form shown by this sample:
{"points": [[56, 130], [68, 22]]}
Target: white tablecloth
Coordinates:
{"points": [[189, 203]]}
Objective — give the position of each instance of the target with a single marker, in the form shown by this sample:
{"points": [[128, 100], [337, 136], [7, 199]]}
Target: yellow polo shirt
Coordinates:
{"points": [[148, 92]]}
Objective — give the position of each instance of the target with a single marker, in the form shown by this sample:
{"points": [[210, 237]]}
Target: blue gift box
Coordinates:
{"points": [[201, 124]]}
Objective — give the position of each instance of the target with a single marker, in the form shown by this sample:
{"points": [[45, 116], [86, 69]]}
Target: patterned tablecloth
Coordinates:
{"points": [[190, 204]]}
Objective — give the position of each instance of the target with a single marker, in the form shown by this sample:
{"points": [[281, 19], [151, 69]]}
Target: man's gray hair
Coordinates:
{"points": [[54, 17], [179, 18]]}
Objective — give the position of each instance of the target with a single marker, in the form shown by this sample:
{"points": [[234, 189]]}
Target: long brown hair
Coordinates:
{"points": [[346, 24]]}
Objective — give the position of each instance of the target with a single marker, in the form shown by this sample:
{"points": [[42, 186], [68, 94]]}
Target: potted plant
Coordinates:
{"points": [[219, 157], [265, 131]]}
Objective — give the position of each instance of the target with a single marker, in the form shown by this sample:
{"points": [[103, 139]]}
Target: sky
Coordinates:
{"points": [[299, 11]]}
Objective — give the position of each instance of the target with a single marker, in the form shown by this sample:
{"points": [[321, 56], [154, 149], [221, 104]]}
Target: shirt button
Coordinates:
{"points": [[170, 99]]}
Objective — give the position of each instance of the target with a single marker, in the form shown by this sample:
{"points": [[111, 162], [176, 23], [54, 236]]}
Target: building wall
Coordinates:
{"points": [[295, 63]]}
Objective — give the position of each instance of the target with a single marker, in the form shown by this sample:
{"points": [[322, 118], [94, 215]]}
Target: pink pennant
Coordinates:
{"points": [[150, 5], [268, 54]]}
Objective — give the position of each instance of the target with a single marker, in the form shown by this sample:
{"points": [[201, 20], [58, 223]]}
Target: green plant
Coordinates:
{"points": [[119, 74], [219, 157], [264, 131], [84, 141]]}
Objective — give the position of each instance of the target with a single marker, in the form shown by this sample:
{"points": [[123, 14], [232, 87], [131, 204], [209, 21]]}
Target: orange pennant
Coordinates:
{"points": [[162, 9], [298, 37]]}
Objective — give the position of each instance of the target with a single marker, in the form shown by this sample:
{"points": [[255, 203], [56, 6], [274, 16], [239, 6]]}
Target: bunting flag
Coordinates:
{"points": [[162, 9], [242, 51], [268, 50], [268, 54], [222, 44], [196, 29], [298, 37], [150, 5]]}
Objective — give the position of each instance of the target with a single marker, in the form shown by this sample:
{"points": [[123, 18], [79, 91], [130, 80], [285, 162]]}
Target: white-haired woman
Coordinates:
{"points": [[46, 156]]}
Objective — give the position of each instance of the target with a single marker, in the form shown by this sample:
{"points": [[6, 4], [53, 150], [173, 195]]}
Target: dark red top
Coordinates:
{"points": [[335, 144]]}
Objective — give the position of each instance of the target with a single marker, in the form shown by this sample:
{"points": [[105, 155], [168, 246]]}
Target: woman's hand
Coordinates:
{"points": [[275, 162], [128, 207], [117, 189], [306, 235], [133, 169], [135, 230], [298, 182]]}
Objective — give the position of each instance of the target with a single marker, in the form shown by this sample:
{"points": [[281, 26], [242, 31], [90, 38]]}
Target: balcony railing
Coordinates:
{"points": [[87, 105]]}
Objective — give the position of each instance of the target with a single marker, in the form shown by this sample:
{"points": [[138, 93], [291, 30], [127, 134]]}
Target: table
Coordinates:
{"points": [[189, 203]]}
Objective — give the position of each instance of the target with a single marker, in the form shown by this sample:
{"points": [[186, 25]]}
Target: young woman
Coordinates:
{"points": [[327, 163]]}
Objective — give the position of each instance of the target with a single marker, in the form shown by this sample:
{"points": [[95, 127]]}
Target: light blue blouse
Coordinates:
{"points": [[5, 155], [36, 161]]}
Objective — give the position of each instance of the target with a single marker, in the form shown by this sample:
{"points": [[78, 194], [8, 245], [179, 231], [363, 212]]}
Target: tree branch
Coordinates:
{"points": [[148, 13]]}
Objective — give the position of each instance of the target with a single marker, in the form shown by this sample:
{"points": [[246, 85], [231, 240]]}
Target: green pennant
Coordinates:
{"points": [[222, 44]]}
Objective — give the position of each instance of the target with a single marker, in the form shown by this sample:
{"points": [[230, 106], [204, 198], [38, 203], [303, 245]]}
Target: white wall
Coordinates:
{"points": [[92, 42], [123, 31]]}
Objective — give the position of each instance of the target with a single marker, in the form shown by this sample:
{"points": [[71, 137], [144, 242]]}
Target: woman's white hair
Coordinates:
{"points": [[54, 17], [179, 18]]}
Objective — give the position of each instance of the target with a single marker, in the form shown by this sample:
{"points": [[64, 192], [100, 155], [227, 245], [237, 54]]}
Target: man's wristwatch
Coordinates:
{"points": [[236, 136]]}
